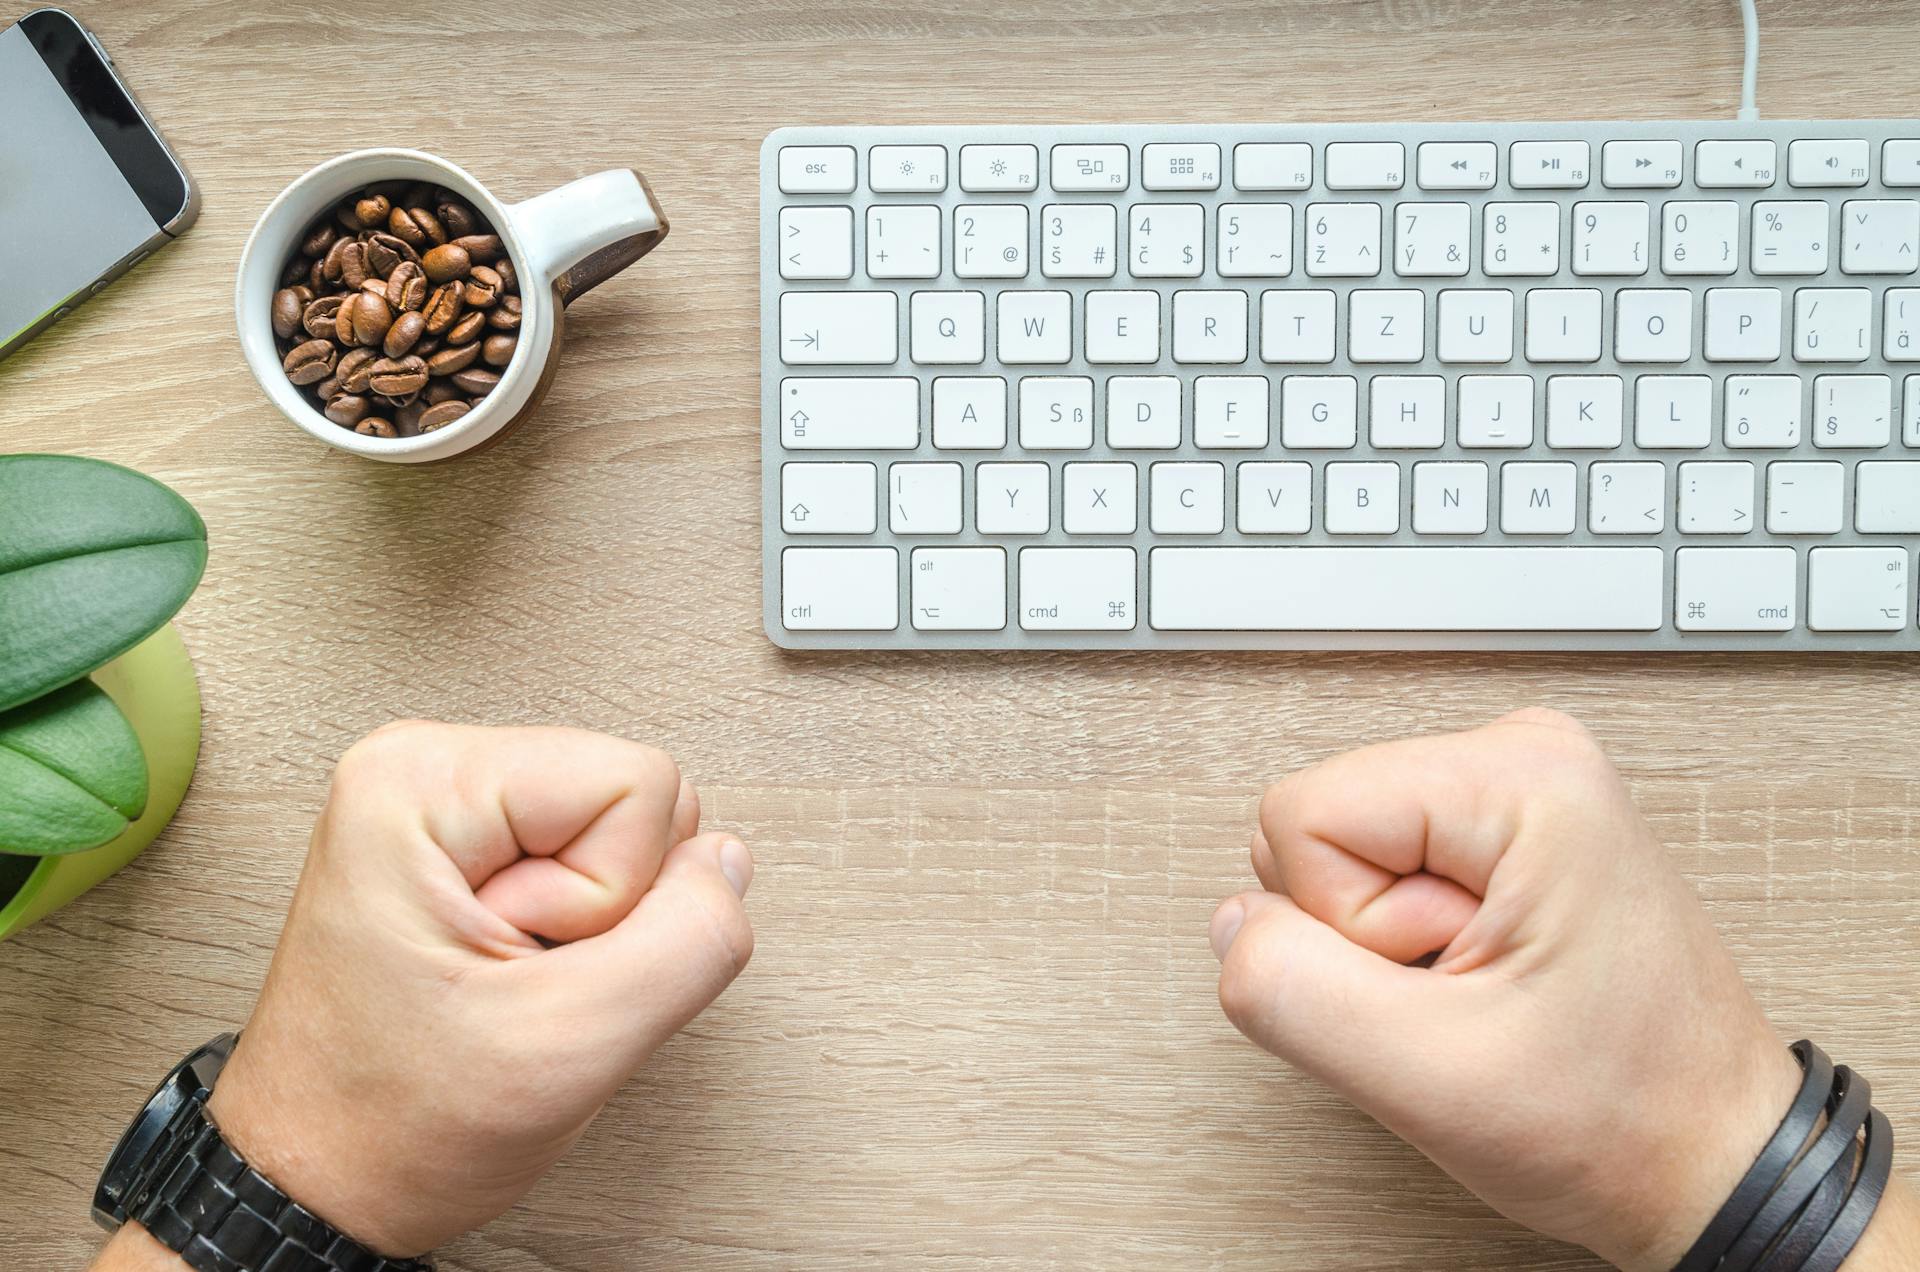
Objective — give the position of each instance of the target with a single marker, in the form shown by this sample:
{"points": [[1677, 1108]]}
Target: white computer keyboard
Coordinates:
{"points": [[1561, 386]]}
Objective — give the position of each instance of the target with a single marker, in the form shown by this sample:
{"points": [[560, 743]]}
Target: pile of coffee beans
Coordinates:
{"points": [[398, 310]]}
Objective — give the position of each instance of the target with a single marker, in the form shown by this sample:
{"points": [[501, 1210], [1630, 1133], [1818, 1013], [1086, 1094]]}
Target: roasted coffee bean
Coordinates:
{"points": [[295, 271], [468, 329], [397, 377], [376, 426], [316, 277], [446, 262], [407, 418], [380, 258], [456, 216], [428, 346], [318, 240], [441, 415], [335, 262], [406, 286], [454, 359], [348, 217], [498, 350], [481, 247], [311, 362], [355, 370], [353, 263], [509, 277], [371, 318], [505, 316], [328, 389], [399, 247], [443, 307], [483, 287], [343, 321], [476, 380], [287, 309], [403, 334], [439, 391], [375, 287], [318, 317], [348, 409], [417, 226], [373, 210]]}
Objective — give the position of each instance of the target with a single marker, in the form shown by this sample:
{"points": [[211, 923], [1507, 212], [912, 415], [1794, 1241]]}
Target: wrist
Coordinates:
{"points": [[133, 1249]]}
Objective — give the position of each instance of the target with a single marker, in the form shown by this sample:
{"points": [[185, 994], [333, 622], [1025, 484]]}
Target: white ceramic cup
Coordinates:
{"points": [[562, 244]]}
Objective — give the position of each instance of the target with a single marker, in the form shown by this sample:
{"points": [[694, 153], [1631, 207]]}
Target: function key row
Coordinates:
{"points": [[1812, 163]]}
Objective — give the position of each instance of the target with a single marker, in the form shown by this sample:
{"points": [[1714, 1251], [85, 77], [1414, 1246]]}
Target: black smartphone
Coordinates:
{"points": [[87, 186]]}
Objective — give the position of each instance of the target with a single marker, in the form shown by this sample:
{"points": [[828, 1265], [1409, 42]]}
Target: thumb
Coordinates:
{"points": [[1339, 1011], [682, 944]]}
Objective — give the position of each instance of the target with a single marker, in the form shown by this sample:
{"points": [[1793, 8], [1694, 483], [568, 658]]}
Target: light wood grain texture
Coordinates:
{"points": [[980, 1031]]}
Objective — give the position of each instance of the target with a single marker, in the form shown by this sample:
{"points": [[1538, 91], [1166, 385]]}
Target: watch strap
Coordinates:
{"points": [[219, 1214]]}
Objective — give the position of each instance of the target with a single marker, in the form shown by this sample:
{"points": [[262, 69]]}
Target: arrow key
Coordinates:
{"points": [[816, 242], [1456, 165]]}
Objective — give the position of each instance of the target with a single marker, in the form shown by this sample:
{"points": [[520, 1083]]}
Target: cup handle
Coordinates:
{"points": [[586, 231]]}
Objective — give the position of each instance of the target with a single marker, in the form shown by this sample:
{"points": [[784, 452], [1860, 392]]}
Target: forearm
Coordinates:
{"points": [[133, 1249], [1891, 1242]]}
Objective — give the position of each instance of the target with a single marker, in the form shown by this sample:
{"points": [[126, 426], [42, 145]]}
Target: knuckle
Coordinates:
{"points": [[374, 754], [731, 935], [654, 771]]}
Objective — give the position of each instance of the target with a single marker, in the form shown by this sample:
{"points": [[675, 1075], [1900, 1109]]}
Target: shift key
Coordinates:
{"points": [[822, 328]]}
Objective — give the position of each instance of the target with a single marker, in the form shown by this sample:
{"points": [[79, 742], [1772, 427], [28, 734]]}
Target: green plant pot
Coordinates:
{"points": [[154, 687]]}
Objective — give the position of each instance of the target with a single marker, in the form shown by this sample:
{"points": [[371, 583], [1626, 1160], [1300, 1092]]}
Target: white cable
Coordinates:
{"points": [[1750, 66]]}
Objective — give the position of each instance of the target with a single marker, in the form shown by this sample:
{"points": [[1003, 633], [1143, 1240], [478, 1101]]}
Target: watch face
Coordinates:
{"points": [[191, 1079]]}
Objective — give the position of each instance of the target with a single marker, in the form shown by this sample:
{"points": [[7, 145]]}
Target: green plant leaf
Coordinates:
{"points": [[94, 558], [71, 773]]}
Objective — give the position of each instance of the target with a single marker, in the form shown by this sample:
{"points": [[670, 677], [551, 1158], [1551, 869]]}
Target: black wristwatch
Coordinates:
{"points": [[175, 1176]]}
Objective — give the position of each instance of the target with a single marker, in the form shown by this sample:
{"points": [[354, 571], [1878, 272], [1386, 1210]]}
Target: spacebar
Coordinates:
{"points": [[1407, 589]]}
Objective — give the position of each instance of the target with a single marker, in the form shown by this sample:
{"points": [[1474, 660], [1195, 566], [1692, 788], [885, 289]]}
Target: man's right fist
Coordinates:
{"points": [[494, 929], [1476, 939]]}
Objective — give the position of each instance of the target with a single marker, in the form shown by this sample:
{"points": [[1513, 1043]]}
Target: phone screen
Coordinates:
{"points": [[67, 215]]}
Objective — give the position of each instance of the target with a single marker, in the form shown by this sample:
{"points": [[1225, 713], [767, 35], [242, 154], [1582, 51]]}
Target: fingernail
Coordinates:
{"points": [[1226, 925], [736, 863]]}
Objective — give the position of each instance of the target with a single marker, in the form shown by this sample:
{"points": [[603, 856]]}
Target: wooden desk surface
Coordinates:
{"points": [[980, 1031]]}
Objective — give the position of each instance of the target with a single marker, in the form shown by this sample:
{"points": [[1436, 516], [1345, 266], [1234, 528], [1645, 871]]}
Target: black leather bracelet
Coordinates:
{"points": [[1813, 1221], [1852, 1100], [1751, 1193], [1868, 1188]]}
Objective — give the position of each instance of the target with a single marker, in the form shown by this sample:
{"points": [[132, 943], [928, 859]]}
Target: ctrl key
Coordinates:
{"points": [[840, 589]]}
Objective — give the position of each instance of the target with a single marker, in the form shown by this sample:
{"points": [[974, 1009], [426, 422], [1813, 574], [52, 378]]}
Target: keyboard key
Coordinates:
{"points": [[1887, 498], [1700, 238], [1431, 240], [1366, 165], [1831, 324], [1610, 238], [1879, 236], [827, 498], [1852, 411], [1098, 498], [1077, 240], [1186, 165], [1495, 411], [1386, 326], [847, 328], [1743, 324], [840, 589], [1858, 590], [816, 242], [1407, 412], [1537, 498], [994, 168], [1626, 165], [1827, 163], [1652, 326], [1284, 165], [1362, 498], [1298, 326], [1806, 498], [1910, 413], [1035, 327], [1901, 339], [907, 169], [1790, 238], [1102, 167], [969, 412], [1210, 326], [1436, 588], [1735, 589], [1143, 412], [959, 589], [923, 499], [1716, 498], [1187, 499], [1275, 498], [1255, 240], [948, 327], [1123, 326], [1475, 325], [1056, 412], [1230, 412], [1456, 165], [903, 242], [1076, 589], [1548, 165], [1583, 412], [1673, 412], [1521, 239], [1343, 240], [1734, 165], [816, 169], [852, 413], [1318, 412], [1763, 412], [1900, 163], [1627, 498], [1563, 325], [990, 240], [1013, 498], [1166, 240], [1449, 498]]}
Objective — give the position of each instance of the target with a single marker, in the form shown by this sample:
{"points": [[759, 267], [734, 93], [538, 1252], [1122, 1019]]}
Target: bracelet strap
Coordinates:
{"points": [[1790, 1252], [1851, 1101], [1751, 1193], [1861, 1202]]}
